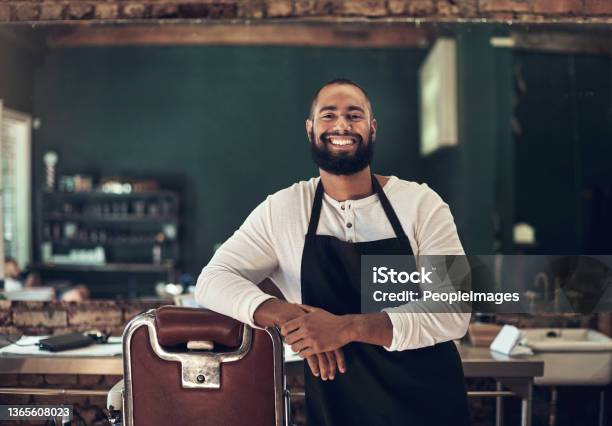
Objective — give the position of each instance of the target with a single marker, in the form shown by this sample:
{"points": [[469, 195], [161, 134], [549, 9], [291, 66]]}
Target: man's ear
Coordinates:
{"points": [[373, 127], [308, 128]]}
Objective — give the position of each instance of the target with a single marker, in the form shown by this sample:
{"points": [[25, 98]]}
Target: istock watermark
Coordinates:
{"points": [[553, 284], [383, 275]]}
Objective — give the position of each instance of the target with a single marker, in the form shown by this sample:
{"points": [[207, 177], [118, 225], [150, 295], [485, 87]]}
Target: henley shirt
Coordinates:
{"points": [[269, 244]]}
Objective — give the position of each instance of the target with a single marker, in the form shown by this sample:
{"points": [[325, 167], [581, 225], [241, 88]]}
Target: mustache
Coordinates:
{"points": [[324, 137]]}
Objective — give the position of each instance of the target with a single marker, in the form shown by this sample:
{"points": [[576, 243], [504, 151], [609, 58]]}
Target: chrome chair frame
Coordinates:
{"points": [[201, 369]]}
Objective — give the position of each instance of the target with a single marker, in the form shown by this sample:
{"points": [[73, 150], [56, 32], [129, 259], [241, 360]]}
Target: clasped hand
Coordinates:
{"points": [[318, 337]]}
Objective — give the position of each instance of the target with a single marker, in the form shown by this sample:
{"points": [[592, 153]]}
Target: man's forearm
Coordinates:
{"points": [[375, 329], [275, 312]]}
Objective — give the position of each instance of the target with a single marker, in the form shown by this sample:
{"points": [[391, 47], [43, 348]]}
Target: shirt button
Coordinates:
{"points": [[349, 225], [342, 206]]}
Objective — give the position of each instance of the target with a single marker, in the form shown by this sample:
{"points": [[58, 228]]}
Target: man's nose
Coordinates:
{"points": [[342, 124]]}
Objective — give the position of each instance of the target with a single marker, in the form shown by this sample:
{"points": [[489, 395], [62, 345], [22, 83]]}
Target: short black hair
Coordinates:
{"points": [[340, 80]]}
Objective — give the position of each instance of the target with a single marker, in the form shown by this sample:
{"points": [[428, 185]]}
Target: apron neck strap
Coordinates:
{"points": [[393, 219], [389, 212], [316, 210]]}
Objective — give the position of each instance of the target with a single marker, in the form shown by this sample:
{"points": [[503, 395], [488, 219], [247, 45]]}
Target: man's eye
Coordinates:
{"points": [[328, 116], [355, 117]]}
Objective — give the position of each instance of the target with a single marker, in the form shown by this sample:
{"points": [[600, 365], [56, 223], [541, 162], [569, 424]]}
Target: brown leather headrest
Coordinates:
{"points": [[178, 325]]}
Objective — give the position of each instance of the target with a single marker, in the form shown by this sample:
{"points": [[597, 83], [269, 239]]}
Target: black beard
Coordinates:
{"points": [[343, 163]]}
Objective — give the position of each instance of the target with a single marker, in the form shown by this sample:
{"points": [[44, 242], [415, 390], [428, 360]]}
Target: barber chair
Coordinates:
{"points": [[186, 366]]}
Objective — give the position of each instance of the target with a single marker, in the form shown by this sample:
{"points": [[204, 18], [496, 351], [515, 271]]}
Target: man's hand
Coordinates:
{"points": [[317, 331], [326, 363], [276, 312]]}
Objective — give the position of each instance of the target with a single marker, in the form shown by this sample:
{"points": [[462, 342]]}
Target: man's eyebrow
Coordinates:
{"points": [[333, 108], [328, 108]]}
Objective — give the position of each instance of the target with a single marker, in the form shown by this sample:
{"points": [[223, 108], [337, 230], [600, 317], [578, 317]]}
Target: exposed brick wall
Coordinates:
{"points": [[545, 321], [92, 409], [443, 10], [38, 318]]}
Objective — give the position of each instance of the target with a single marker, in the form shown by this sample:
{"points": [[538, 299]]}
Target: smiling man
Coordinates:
{"points": [[396, 367]]}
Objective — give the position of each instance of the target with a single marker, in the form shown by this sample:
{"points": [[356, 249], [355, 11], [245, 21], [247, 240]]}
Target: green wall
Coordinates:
{"points": [[563, 150], [17, 68], [222, 125]]}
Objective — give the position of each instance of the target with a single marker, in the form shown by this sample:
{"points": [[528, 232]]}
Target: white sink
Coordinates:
{"points": [[576, 356]]}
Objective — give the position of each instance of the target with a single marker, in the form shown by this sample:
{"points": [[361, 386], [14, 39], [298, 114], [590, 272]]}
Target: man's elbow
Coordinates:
{"points": [[455, 327], [202, 287], [461, 326]]}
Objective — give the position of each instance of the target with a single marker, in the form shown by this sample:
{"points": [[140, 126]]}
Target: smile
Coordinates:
{"points": [[341, 141]]}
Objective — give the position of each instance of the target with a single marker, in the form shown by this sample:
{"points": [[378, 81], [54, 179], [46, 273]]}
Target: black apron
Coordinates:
{"points": [[414, 387]]}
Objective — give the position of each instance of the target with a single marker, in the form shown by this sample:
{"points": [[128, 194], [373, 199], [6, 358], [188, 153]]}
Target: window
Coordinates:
{"points": [[15, 186]]}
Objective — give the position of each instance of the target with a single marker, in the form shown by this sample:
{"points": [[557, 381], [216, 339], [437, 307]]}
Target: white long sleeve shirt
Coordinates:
{"points": [[270, 242]]}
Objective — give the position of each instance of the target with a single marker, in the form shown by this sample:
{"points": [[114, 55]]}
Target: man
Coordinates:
{"points": [[396, 368], [15, 279], [12, 275]]}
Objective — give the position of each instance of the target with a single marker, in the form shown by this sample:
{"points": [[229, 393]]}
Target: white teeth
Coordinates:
{"points": [[341, 141]]}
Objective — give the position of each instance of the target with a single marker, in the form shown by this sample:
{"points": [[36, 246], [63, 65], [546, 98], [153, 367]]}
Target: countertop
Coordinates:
{"points": [[477, 362]]}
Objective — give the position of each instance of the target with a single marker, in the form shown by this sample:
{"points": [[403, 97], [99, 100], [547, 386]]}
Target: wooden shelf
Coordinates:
{"points": [[100, 194], [111, 242], [107, 267], [136, 214], [129, 218]]}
